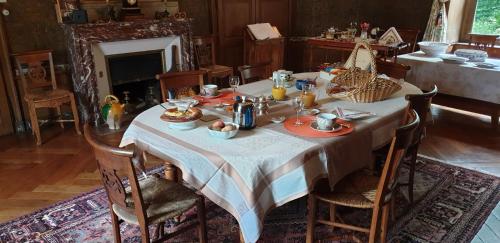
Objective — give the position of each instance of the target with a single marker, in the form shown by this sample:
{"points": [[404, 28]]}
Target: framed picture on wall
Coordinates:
{"points": [[64, 8]]}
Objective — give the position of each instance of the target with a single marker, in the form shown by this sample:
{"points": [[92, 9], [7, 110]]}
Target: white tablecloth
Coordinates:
{"points": [[465, 80], [265, 167]]}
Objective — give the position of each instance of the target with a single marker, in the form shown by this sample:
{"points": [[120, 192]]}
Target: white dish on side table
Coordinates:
{"points": [[485, 65], [452, 59]]}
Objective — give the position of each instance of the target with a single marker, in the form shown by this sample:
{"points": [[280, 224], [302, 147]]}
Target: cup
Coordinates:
{"points": [[325, 121], [209, 90], [300, 82]]}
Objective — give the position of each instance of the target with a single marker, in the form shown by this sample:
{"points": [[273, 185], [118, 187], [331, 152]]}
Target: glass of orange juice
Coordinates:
{"points": [[309, 95], [279, 90]]}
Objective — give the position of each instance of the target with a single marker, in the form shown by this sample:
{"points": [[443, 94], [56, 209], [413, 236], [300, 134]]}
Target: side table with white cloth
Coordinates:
{"points": [[267, 166], [460, 80]]}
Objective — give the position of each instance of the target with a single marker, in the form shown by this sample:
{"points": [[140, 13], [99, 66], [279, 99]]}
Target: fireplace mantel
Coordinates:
{"points": [[80, 39]]}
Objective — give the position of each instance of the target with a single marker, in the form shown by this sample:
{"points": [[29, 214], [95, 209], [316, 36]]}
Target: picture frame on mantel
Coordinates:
{"points": [[64, 8]]}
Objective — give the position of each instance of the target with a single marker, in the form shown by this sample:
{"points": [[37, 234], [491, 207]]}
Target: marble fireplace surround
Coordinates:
{"points": [[81, 39]]}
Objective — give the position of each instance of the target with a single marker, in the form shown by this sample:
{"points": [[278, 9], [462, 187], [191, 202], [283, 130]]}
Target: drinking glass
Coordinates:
{"points": [[298, 105], [308, 95], [234, 82]]}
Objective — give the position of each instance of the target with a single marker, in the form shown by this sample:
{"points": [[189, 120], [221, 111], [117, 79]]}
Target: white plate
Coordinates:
{"points": [[194, 102], [453, 59], [485, 65], [314, 126], [278, 119], [353, 114]]}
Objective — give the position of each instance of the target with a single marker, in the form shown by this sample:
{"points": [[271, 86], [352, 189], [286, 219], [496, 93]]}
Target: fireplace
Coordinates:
{"points": [[131, 66], [135, 73]]}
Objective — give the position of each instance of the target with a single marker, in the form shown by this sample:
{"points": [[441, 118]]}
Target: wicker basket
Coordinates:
{"points": [[363, 86]]}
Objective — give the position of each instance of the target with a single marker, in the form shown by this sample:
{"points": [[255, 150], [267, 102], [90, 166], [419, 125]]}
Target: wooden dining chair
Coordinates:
{"points": [[204, 47], [391, 69], [176, 84], [410, 37], [39, 85], [482, 42], [252, 73], [365, 191], [146, 202], [421, 103]]}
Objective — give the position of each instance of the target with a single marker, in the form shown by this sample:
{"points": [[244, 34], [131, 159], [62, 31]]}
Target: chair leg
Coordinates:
{"points": [[311, 218], [116, 227], [145, 234], [384, 222], [75, 114], [202, 227], [34, 123], [411, 175], [60, 116], [374, 224], [333, 209]]}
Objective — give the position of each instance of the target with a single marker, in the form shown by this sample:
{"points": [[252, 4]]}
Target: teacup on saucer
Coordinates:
{"points": [[325, 121], [209, 90]]}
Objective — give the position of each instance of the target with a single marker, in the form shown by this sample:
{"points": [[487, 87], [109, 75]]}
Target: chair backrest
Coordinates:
{"points": [[363, 60], [402, 139], [114, 165], [179, 80], [421, 103], [409, 36], [391, 69], [204, 47], [252, 73], [482, 41], [36, 70]]}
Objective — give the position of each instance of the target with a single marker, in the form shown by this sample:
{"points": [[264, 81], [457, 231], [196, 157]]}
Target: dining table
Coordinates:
{"points": [[267, 166]]}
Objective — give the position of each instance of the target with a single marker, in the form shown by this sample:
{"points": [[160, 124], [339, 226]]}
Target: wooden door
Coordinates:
{"points": [[5, 117], [232, 17], [275, 12]]}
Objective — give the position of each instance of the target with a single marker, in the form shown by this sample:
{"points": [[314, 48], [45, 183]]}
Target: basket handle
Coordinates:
{"points": [[373, 67]]}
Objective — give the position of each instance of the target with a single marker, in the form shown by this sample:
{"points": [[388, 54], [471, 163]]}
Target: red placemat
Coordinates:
{"points": [[224, 97], [306, 130]]}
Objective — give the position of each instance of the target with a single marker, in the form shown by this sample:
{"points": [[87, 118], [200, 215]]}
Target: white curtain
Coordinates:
{"points": [[438, 22]]}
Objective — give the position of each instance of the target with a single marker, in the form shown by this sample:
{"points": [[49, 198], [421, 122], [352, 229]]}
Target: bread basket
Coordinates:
{"points": [[362, 86]]}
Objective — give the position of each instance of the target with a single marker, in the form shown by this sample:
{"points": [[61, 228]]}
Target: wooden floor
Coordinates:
{"points": [[34, 177]]}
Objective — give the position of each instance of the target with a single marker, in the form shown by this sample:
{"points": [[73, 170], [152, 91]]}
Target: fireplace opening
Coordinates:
{"points": [[134, 74]]}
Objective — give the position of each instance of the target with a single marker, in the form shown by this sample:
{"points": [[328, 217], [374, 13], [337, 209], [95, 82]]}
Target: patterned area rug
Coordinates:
{"points": [[453, 203]]}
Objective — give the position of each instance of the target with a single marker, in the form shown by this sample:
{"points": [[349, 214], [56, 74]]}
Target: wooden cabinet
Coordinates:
{"points": [[230, 18]]}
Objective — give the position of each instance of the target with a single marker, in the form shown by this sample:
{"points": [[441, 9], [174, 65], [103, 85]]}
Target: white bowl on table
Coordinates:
{"points": [[433, 49], [188, 125], [226, 134]]}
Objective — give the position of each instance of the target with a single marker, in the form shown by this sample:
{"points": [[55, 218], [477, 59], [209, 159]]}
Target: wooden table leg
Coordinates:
{"points": [[170, 171]]}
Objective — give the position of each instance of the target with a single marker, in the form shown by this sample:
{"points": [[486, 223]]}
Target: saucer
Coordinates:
{"points": [[485, 65], [278, 119], [219, 94], [336, 127], [311, 112]]}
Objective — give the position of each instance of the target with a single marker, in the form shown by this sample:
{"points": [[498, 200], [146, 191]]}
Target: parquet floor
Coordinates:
{"points": [[34, 177]]}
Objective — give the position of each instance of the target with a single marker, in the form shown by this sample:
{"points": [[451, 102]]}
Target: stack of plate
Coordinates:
{"points": [[472, 55], [453, 59]]}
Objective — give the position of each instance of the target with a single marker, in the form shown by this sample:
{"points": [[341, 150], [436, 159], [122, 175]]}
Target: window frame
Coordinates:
{"points": [[468, 21]]}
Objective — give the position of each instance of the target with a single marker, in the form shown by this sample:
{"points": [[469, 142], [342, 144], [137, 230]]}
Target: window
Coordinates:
{"points": [[487, 17]]}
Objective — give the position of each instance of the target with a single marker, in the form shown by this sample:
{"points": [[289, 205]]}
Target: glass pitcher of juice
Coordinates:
{"points": [[308, 95], [279, 90]]}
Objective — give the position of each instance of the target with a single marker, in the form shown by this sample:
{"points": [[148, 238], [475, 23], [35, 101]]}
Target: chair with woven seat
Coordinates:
{"points": [[392, 69], [177, 84], [365, 191], [252, 73], [482, 42], [204, 47], [38, 82], [152, 200]]}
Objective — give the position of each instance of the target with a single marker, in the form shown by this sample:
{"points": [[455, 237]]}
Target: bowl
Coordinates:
{"points": [[224, 135], [300, 82], [472, 55], [433, 49]]}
